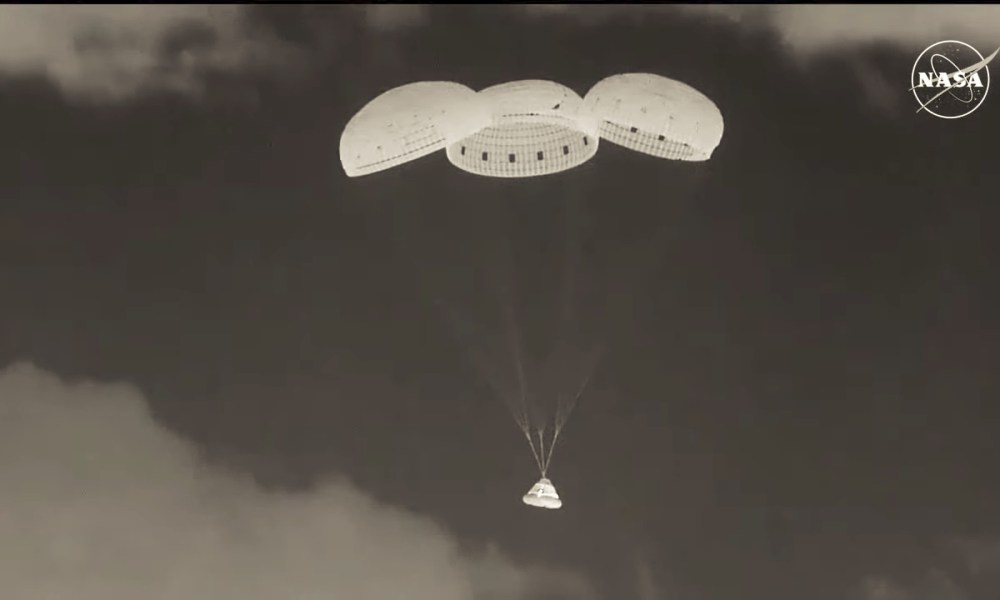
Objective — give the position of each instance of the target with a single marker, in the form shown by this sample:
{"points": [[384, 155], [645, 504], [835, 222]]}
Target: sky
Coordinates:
{"points": [[229, 371]]}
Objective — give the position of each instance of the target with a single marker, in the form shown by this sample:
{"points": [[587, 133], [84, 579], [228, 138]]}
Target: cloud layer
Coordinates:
{"points": [[808, 28], [112, 52], [935, 585], [974, 571], [98, 502], [109, 52]]}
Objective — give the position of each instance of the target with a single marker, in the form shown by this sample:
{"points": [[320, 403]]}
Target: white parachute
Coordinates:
{"points": [[525, 129], [656, 116], [407, 123], [537, 128], [532, 127]]}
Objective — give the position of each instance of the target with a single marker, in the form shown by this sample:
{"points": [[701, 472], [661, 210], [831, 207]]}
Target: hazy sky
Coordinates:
{"points": [[225, 377]]}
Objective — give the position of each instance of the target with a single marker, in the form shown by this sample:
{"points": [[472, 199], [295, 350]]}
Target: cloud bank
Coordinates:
{"points": [[975, 571], [113, 52], [393, 17], [808, 29], [981, 554], [99, 502], [110, 52], [936, 585]]}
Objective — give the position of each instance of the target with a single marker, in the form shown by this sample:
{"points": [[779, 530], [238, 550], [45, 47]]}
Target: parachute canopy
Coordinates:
{"points": [[656, 116], [407, 123], [532, 127], [537, 128], [543, 495]]}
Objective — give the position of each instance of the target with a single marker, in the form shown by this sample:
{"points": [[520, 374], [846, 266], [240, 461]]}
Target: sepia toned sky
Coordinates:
{"points": [[228, 371]]}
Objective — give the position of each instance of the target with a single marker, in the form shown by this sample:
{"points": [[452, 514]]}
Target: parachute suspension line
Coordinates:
{"points": [[480, 361], [564, 409], [503, 282], [534, 452], [518, 412], [464, 333], [541, 444], [552, 447], [561, 362], [460, 328], [514, 340], [572, 219], [567, 312], [567, 403], [564, 414]]}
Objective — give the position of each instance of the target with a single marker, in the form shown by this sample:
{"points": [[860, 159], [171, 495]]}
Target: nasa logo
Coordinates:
{"points": [[950, 79]]}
